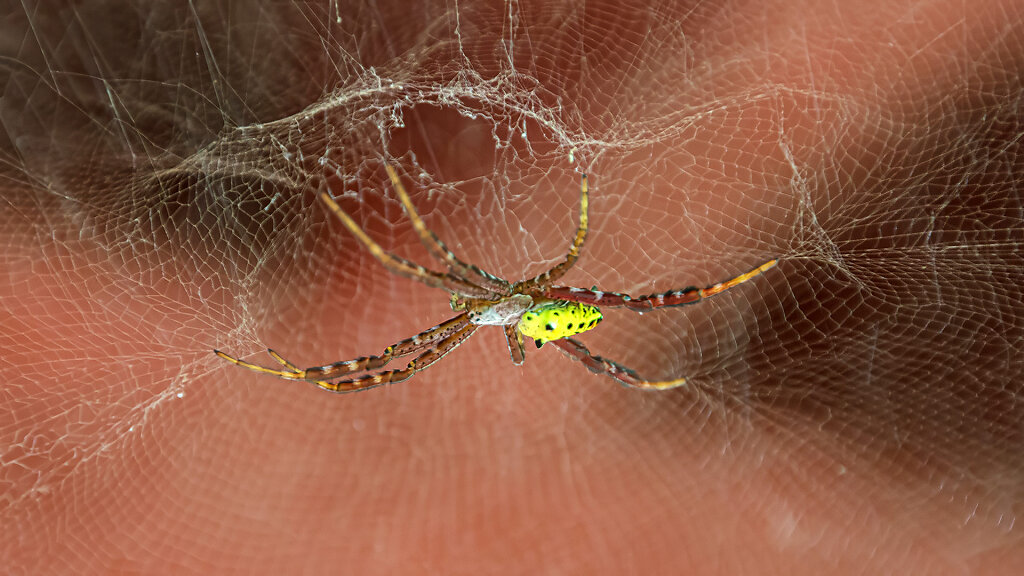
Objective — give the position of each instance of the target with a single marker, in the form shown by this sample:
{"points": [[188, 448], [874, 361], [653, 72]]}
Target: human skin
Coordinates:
{"points": [[854, 410]]}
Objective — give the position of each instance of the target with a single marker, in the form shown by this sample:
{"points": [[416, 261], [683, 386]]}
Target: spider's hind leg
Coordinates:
{"points": [[598, 365], [690, 295]]}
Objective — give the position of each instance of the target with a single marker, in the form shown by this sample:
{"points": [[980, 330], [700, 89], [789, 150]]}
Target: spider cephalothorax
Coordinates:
{"points": [[534, 308]]}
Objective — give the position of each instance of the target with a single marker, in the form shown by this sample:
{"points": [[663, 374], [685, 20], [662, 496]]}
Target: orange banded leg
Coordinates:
{"points": [[560, 269], [515, 344], [401, 266], [423, 362], [690, 295], [363, 364], [598, 365], [434, 245]]}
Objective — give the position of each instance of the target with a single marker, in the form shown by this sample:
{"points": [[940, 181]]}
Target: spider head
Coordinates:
{"points": [[558, 319], [457, 303]]}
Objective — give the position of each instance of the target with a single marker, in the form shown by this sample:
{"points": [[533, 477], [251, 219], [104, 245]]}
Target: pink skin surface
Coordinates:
{"points": [[855, 410]]}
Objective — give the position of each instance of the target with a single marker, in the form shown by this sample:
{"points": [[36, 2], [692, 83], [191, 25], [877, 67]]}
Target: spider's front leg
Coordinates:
{"points": [[424, 339], [440, 349], [559, 270], [470, 273], [401, 266], [690, 295]]}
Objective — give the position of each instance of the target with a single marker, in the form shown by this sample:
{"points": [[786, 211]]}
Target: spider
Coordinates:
{"points": [[535, 308]]}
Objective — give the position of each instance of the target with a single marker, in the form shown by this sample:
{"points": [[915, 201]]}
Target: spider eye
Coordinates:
{"points": [[549, 327], [539, 343]]}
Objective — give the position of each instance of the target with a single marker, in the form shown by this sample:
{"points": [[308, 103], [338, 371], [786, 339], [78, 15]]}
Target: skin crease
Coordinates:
{"points": [[127, 447]]}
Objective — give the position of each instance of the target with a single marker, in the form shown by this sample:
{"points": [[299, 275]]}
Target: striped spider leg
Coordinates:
{"points": [[532, 308], [692, 295], [433, 244], [465, 282], [438, 341]]}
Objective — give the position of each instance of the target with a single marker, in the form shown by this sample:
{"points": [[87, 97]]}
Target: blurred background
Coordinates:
{"points": [[856, 409]]}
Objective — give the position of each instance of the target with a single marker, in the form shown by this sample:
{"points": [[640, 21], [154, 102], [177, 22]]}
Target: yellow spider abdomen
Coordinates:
{"points": [[558, 319]]}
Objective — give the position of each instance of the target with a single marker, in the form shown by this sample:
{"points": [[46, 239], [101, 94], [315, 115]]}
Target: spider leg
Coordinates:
{"points": [[515, 344], [363, 364], [598, 365], [403, 267], [443, 347], [559, 270], [469, 272], [690, 295], [281, 360]]}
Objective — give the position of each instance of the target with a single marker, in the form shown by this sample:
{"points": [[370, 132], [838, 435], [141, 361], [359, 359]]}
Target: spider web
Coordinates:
{"points": [[858, 408]]}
